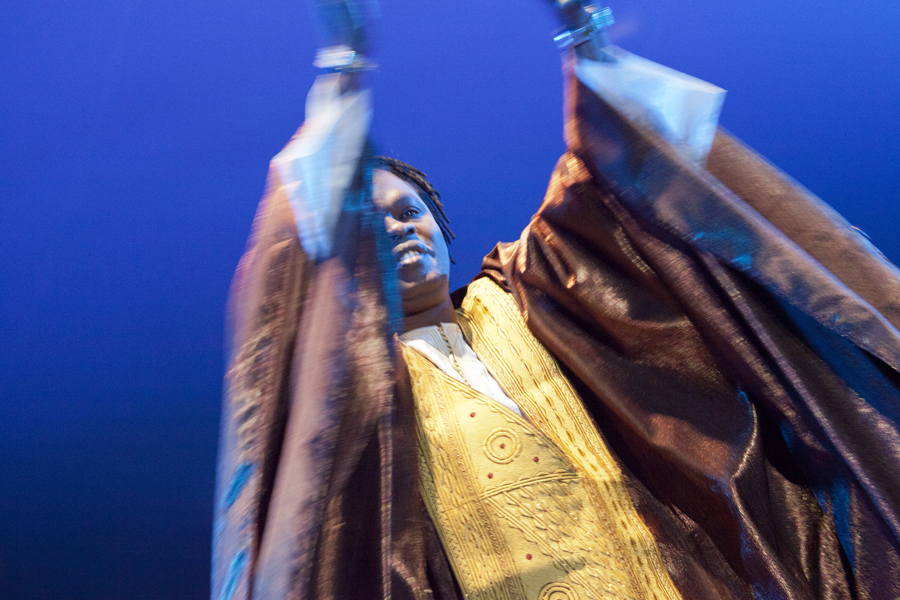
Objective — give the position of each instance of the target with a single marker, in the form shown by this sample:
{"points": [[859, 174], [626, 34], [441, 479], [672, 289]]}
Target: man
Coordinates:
{"points": [[677, 383]]}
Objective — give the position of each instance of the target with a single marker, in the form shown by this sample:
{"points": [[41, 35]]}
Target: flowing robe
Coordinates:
{"points": [[733, 338]]}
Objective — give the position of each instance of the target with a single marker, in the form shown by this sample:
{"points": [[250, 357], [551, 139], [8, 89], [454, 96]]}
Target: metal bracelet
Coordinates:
{"points": [[600, 19], [342, 59]]}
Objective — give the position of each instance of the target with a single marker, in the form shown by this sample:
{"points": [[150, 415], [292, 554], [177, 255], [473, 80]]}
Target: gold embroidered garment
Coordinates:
{"points": [[526, 508]]}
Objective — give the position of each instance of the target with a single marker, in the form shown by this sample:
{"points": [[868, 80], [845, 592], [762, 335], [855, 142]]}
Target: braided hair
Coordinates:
{"points": [[427, 193]]}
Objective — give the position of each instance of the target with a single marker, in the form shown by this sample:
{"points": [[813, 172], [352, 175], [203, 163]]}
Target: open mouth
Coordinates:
{"points": [[408, 258], [410, 253]]}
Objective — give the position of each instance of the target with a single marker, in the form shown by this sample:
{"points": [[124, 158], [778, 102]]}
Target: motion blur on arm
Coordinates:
{"points": [[707, 354]]}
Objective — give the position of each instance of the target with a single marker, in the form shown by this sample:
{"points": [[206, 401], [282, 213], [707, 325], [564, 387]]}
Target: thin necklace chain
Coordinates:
{"points": [[453, 356]]}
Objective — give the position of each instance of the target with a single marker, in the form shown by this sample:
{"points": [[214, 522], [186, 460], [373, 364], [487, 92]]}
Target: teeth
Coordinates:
{"points": [[408, 257]]}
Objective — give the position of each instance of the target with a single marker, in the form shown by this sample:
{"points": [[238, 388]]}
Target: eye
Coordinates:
{"points": [[409, 213]]}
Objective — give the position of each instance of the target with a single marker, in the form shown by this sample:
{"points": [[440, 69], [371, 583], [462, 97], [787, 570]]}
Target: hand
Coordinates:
{"points": [[572, 15], [344, 22]]}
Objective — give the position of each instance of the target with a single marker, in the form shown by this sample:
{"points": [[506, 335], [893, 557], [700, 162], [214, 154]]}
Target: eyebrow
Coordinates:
{"points": [[411, 198]]}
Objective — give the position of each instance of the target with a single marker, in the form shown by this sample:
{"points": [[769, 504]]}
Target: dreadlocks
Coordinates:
{"points": [[428, 194]]}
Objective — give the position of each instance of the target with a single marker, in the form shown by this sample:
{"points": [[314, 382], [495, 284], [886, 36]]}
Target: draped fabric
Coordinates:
{"points": [[734, 340], [752, 395], [312, 499]]}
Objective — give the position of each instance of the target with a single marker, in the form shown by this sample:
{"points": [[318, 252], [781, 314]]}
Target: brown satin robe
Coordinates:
{"points": [[734, 339]]}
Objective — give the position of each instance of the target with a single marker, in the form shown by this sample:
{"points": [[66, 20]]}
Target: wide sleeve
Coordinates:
{"points": [[736, 342], [315, 169], [265, 303], [286, 256], [315, 492], [681, 109]]}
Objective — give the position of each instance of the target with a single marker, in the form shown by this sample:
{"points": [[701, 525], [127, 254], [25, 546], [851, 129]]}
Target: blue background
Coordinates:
{"points": [[134, 142]]}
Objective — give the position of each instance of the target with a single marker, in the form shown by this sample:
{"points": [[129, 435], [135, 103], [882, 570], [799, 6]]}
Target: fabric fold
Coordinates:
{"points": [[752, 396]]}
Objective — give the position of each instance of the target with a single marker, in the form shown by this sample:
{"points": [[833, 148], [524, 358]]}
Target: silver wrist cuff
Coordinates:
{"points": [[342, 59], [601, 18]]}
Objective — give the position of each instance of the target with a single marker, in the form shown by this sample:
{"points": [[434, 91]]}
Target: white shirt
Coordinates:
{"points": [[448, 350]]}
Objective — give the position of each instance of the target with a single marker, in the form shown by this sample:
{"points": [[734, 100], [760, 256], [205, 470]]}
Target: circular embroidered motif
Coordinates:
{"points": [[502, 445], [557, 591]]}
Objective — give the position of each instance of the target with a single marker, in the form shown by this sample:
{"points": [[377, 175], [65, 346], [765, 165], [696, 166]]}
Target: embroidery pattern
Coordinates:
{"points": [[538, 509], [533, 379], [557, 591], [480, 558], [502, 445]]}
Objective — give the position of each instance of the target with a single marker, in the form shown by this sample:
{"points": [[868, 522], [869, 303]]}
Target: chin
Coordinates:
{"points": [[431, 289], [421, 282]]}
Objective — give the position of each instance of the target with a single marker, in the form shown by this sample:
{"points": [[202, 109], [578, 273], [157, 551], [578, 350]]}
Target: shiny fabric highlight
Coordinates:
{"points": [[752, 396], [734, 341], [316, 496]]}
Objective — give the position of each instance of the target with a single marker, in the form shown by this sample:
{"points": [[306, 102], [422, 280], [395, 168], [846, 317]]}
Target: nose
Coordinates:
{"points": [[398, 229]]}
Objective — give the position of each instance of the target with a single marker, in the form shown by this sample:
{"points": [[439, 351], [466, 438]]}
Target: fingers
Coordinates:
{"points": [[571, 13], [343, 23]]}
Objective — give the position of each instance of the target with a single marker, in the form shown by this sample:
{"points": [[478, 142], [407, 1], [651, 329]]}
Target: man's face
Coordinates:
{"points": [[420, 252]]}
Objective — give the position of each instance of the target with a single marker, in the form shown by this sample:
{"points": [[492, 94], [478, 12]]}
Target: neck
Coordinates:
{"points": [[427, 304]]}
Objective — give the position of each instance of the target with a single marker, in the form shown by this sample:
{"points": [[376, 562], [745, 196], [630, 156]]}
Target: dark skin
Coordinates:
{"points": [[420, 252], [573, 16], [428, 305]]}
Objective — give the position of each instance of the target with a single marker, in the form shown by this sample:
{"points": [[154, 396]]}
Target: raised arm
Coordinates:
{"points": [[575, 16], [716, 297], [315, 169], [345, 33], [270, 299]]}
